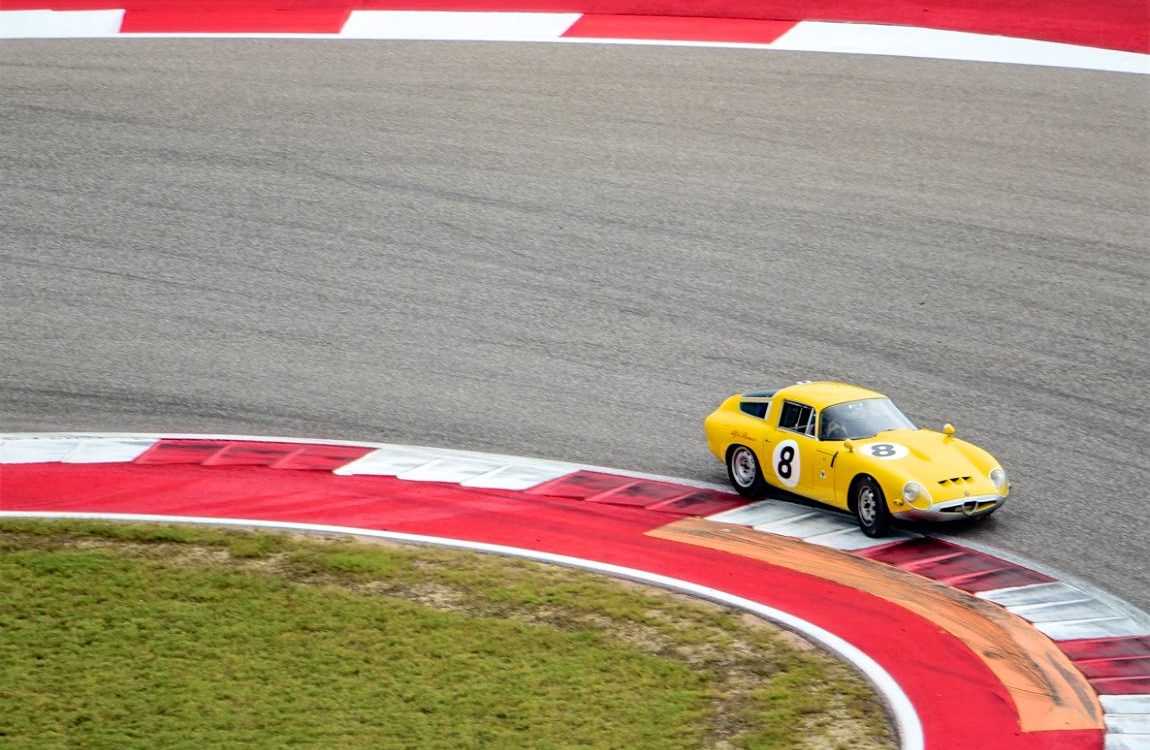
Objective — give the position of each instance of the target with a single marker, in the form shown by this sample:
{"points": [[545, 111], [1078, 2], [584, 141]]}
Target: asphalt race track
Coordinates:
{"points": [[576, 251]]}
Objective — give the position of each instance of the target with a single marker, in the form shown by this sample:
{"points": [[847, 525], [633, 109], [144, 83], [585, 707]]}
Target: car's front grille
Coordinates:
{"points": [[970, 506]]}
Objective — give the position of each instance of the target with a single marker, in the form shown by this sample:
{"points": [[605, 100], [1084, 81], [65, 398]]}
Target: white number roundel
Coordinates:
{"points": [[885, 451], [785, 461]]}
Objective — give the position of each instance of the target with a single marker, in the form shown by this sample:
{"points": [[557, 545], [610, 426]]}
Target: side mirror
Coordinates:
{"points": [[948, 429], [849, 445]]}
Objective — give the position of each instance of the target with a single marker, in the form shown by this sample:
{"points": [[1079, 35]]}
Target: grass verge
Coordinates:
{"points": [[133, 636]]}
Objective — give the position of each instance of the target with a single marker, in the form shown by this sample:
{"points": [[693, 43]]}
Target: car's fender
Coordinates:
{"points": [[727, 426], [850, 465], [978, 456]]}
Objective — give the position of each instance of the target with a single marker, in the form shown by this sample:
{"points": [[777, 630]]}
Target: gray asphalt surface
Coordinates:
{"points": [[577, 251]]}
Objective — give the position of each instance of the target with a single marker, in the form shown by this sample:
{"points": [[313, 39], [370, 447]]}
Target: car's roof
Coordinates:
{"points": [[826, 393]]}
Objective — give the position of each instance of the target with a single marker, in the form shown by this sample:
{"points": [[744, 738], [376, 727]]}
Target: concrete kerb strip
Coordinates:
{"points": [[906, 720]]}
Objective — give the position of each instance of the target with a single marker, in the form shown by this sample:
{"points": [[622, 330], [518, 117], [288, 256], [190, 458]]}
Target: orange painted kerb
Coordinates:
{"points": [[1048, 691]]}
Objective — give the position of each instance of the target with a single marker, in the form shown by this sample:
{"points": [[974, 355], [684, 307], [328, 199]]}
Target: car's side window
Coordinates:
{"points": [[798, 418], [754, 408]]}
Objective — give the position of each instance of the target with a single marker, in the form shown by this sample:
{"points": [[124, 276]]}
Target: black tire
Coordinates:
{"points": [[745, 472], [869, 505]]}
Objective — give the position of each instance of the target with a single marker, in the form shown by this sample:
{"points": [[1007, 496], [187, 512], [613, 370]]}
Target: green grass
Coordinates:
{"points": [[140, 636]]}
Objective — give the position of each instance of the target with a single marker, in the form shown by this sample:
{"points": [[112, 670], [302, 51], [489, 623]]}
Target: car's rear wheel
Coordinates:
{"points": [[869, 505], [744, 471]]}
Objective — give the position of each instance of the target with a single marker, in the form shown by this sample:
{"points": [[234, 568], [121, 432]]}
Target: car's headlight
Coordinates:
{"points": [[998, 478], [915, 494]]}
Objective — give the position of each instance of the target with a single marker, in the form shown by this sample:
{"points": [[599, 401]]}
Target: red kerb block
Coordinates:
{"points": [[700, 503], [238, 18], [955, 565], [580, 485], [677, 28], [1114, 666], [641, 493], [181, 451]]}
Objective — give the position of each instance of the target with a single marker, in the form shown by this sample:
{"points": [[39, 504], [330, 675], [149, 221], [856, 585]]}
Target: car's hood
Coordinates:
{"points": [[946, 466]]}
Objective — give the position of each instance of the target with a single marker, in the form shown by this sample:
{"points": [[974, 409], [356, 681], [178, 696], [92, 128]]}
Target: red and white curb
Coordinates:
{"points": [[496, 26], [1107, 639], [1062, 611]]}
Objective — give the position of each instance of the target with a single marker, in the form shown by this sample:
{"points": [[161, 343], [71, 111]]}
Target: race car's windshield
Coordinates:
{"points": [[855, 420]]}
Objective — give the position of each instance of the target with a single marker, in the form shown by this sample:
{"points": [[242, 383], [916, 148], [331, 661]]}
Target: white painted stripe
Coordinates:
{"points": [[1083, 610], [815, 525], [1125, 704], [852, 539], [59, 24], [794, 523], [764, 513], [108, 451], [447, 25], [1066, 612], [36, 451], [906, 719], [829, 529], [1128, 723], [747, 515], [907, 41], [1038, 593], [454, 470], [388, 462], [780, 514], [1127, 742], [481, 470], [520, 476], [1091, 628]]}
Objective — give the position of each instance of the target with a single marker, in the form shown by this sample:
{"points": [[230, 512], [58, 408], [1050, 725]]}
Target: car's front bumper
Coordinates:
{"points": [[956, 510]]}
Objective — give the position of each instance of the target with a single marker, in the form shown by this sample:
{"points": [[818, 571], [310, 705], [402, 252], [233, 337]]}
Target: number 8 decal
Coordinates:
{"points": [[785, 461], [786, 456], [885, 451]]}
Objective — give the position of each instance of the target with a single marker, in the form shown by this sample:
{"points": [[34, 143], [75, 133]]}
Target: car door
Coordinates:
{"points": [[797, 463]]}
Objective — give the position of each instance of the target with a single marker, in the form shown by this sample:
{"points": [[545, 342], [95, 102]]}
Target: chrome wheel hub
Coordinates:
{"points": [[868, 507], [743, 466]]}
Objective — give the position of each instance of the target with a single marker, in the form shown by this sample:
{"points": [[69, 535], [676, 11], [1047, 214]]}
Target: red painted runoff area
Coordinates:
{"points": [[961, 704], [1111, 24]]}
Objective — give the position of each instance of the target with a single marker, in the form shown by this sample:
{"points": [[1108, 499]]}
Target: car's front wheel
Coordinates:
{"points": [[870, 509], [744, 471]]}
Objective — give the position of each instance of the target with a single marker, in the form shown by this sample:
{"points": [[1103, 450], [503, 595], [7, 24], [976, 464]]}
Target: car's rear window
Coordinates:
{"points": [[754, 408]]}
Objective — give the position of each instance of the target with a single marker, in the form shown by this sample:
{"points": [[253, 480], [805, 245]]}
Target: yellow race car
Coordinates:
{"points": [[852, 448]]}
